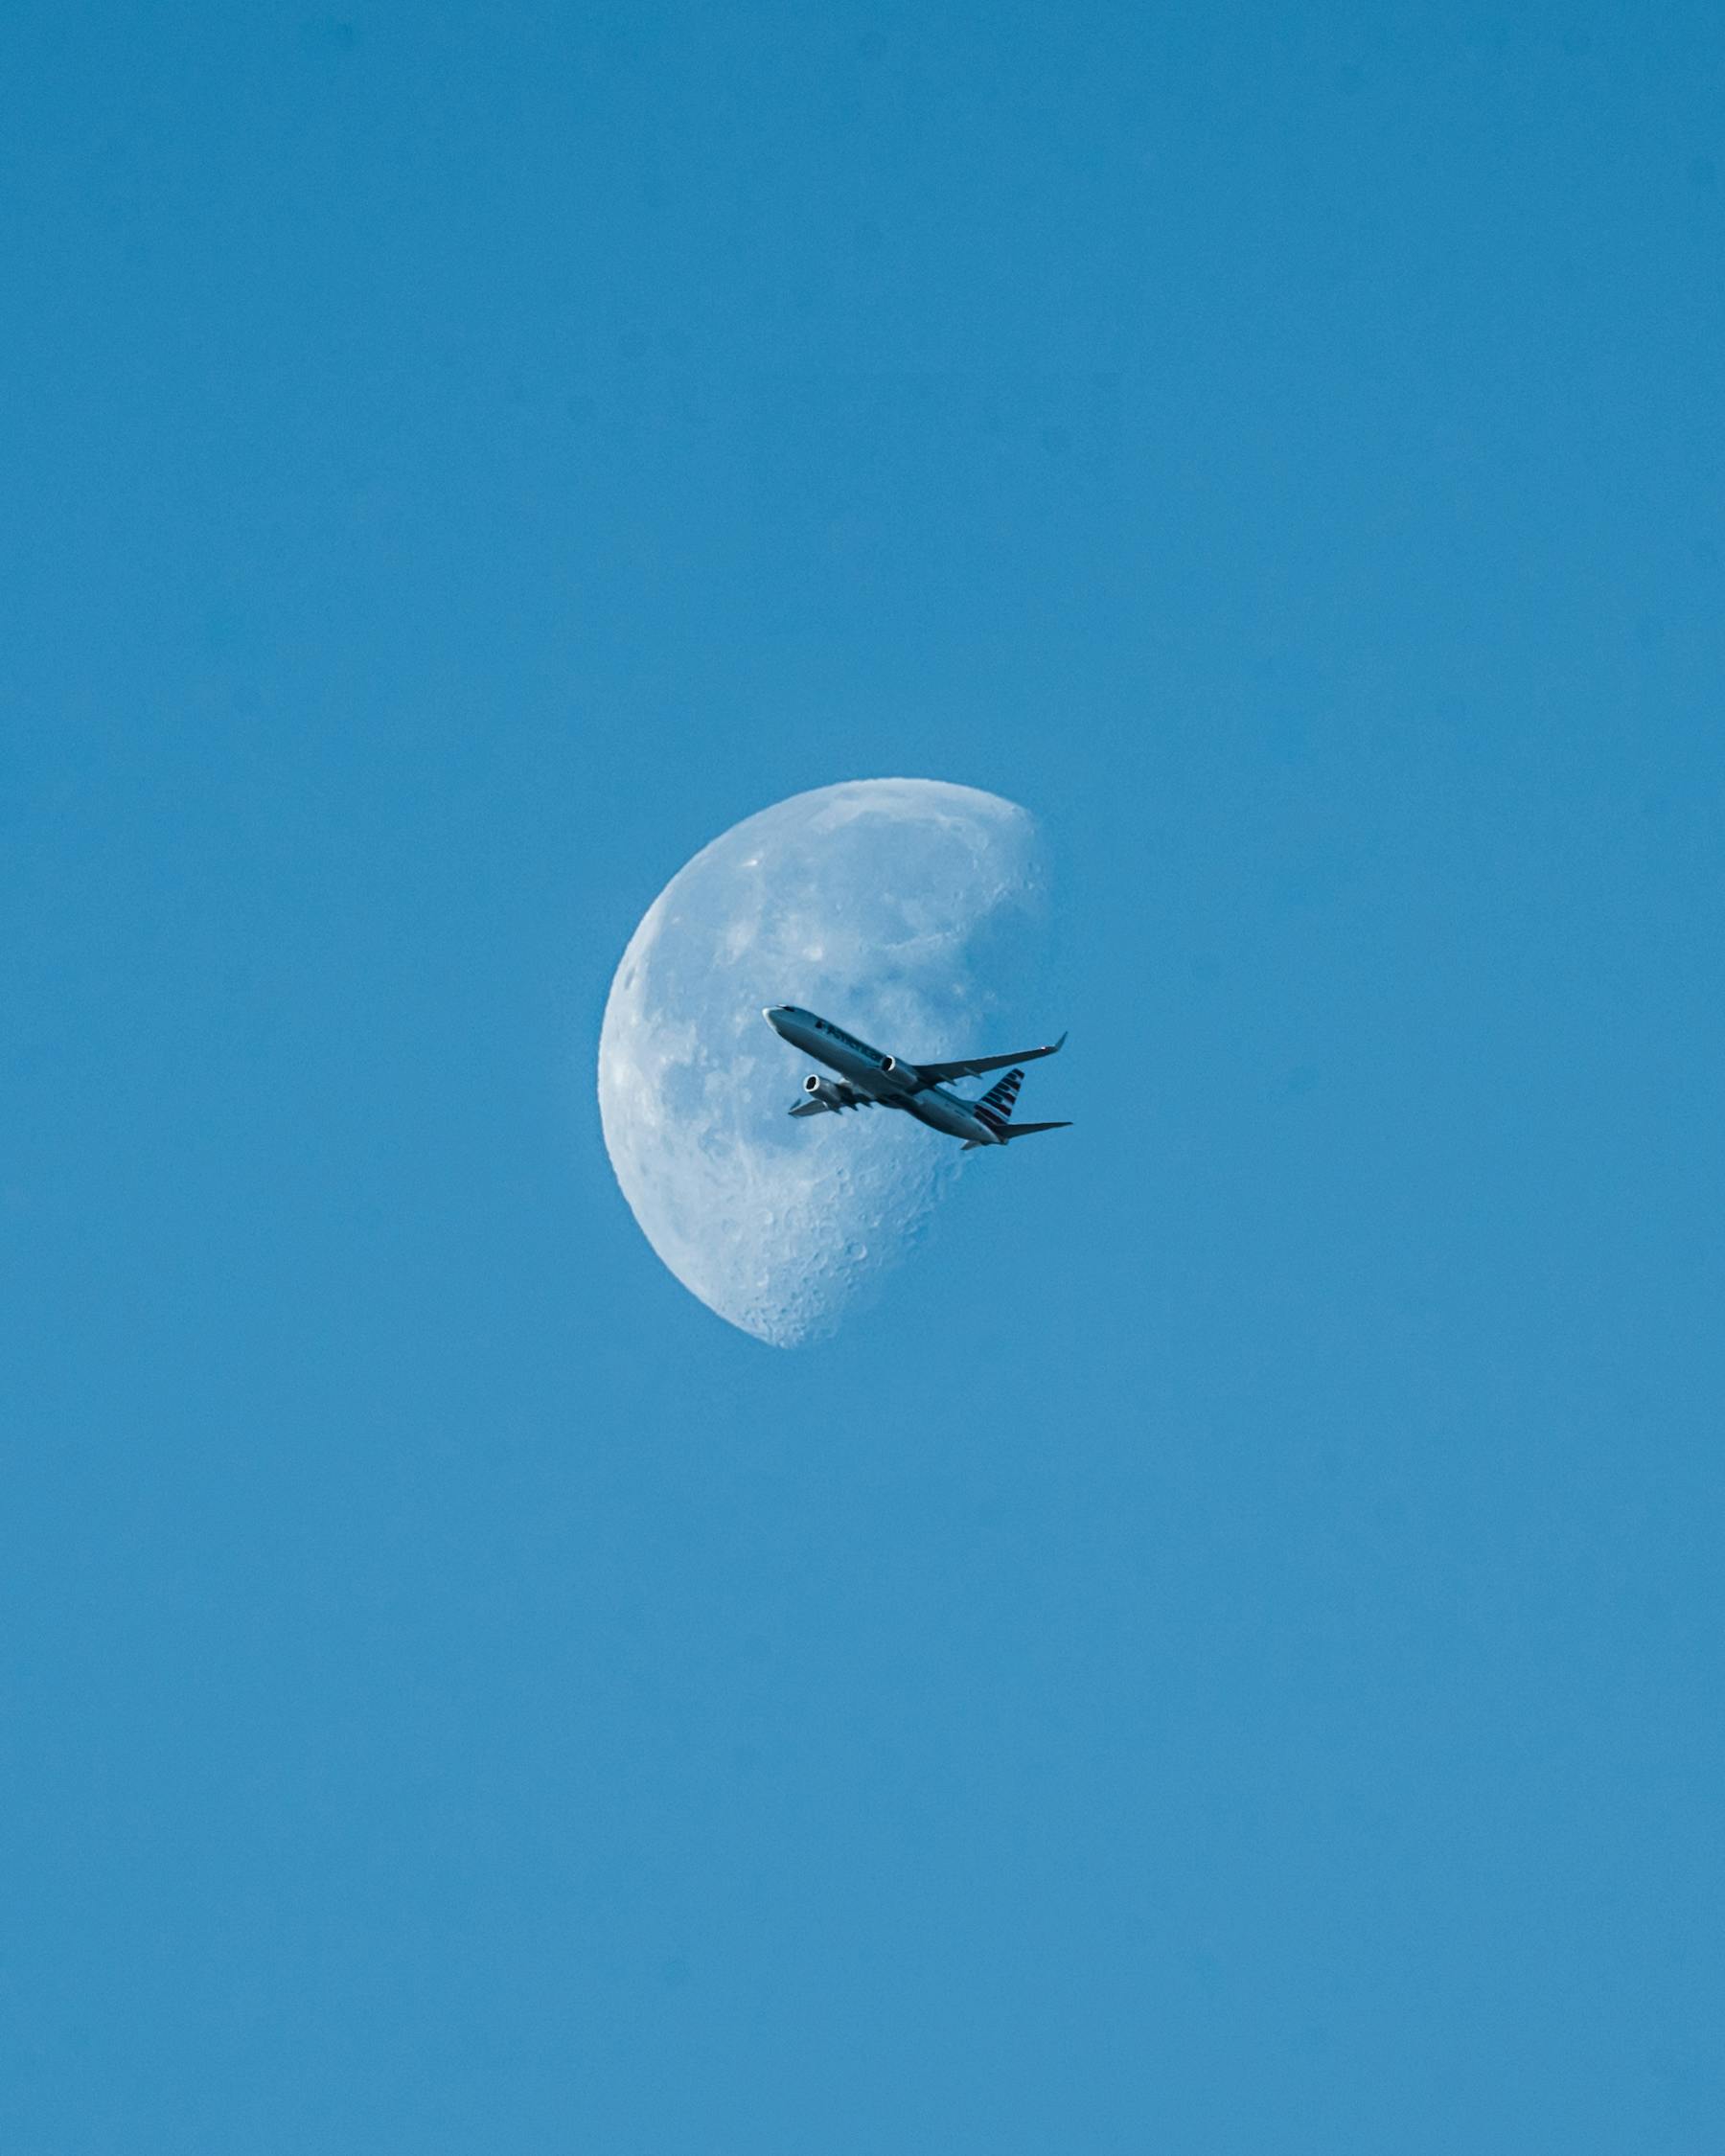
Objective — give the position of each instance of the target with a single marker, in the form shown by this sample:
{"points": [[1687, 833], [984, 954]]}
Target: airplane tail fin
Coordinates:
{"points": [[995, 1108]]}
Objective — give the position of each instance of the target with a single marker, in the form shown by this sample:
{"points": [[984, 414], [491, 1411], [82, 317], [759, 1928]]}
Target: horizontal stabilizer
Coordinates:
{"points": [[1010, 1132]]}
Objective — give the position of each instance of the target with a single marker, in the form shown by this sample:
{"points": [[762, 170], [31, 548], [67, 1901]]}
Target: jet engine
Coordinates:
{"points": [[824, 1091], [901, 1073]]}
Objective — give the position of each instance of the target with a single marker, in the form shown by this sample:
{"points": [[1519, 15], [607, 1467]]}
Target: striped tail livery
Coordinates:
{"points": [[995, 1108], [993, 1111]]}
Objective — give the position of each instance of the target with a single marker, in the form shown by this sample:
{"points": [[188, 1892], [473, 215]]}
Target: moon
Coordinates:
{"points": [[899, 908]]}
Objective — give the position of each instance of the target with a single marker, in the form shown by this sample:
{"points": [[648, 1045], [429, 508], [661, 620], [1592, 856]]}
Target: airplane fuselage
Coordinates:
{"points": [[881, 1078]]}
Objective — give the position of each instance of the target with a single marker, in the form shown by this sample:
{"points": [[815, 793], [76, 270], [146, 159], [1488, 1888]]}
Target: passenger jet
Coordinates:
{"points": [[868, 1078]]}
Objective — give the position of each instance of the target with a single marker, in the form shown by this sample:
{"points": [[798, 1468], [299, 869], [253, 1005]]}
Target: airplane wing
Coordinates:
{"points": [[848, 1098], [938, 1073]]}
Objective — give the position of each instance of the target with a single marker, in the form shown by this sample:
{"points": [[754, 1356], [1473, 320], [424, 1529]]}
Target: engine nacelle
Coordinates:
{"points": [[901, 1073], [824, 1091]]}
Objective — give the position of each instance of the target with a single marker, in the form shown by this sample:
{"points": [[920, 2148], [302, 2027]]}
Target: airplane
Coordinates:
{"points": [[868, 1078]]}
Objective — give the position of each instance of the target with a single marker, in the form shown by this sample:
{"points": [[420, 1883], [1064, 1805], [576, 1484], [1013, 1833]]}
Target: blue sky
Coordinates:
{"points": [[1226, 1656]]}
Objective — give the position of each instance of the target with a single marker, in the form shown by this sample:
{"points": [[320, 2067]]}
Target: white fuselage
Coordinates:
{"points": [[881, 1078]]}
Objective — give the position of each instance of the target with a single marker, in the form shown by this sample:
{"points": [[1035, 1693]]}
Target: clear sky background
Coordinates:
{"points": [[1227, 1656]]}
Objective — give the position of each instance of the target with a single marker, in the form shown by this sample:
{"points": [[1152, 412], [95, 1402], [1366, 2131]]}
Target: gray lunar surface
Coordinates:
{"points": [[898, 907]]}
